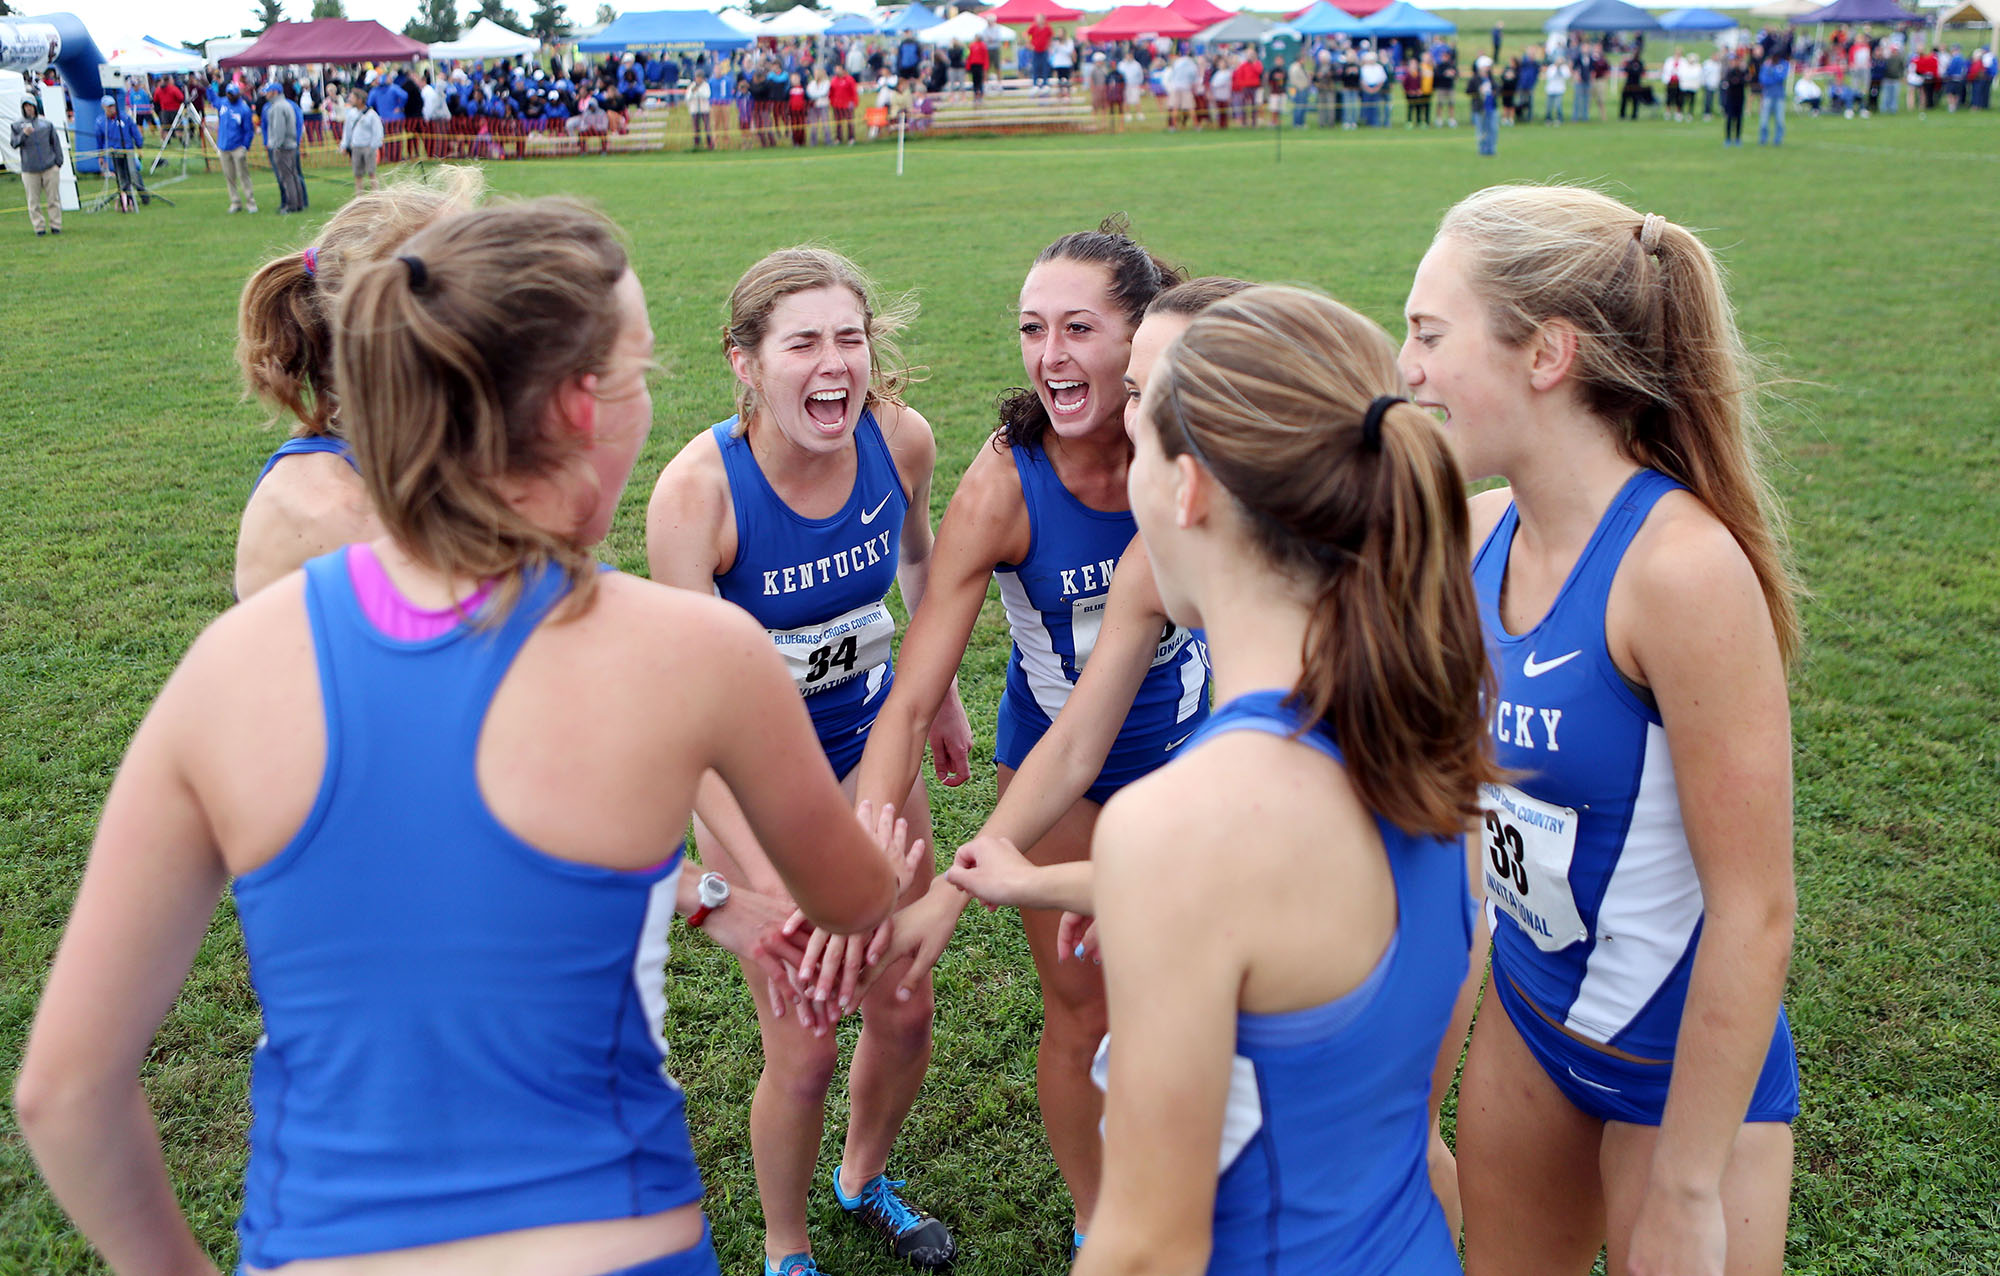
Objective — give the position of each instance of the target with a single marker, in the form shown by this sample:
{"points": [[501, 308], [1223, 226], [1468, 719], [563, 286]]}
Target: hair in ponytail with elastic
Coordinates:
{"points": [[1271, 391], [1136, 277], [284, 321], [448, 357], [1658, 353]]}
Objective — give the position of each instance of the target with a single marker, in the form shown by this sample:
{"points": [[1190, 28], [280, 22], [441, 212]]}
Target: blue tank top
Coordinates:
{"points": [[818, 585], [1326, 1136], [462, 1034], [1593, 893], [301, 446], [1055, 598]]}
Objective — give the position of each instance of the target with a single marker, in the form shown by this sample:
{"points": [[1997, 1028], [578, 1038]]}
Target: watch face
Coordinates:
{"points": [[714, 890]]}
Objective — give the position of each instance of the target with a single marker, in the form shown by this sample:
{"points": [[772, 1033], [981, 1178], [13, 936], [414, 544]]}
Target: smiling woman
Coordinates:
{"points": [[802, 509]]}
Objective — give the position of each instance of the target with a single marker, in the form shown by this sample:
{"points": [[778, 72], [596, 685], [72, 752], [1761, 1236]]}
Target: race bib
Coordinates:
{"points": [[1529, 844], [1086, 620], [823, 656]]}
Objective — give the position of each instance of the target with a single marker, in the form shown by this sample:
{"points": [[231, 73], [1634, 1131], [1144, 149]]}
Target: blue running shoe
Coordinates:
{"points": [[792, 1265], [914, 1236]]}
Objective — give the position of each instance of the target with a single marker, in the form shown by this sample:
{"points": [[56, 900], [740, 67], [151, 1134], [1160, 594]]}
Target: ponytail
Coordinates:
{"points": [[448, 383], [284, 320], [1290, 400], [1658, 354]]}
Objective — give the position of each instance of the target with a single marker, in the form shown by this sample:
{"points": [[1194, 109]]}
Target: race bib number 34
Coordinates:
{"points": [[823, 656], [1529, 844]]}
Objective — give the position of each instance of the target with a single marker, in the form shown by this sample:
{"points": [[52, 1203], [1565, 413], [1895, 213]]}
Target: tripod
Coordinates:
{"points": [[189, 116]]}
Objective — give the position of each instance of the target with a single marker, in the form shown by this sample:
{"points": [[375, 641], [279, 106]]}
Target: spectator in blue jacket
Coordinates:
{"points": [[1771, 78], [118, 144], [235, 128]]}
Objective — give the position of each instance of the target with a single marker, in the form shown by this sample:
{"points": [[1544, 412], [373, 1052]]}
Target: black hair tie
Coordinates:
{"points": [[420, 278], [1371, 424]]}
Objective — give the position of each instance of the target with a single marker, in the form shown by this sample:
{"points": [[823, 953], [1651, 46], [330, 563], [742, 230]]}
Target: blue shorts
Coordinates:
{"points": [[1022, 724], [696, 1260], [1608, 1088]]}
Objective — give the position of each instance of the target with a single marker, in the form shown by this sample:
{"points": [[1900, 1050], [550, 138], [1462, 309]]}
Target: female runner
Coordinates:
{"points": [[1044, 510], [1285, 919], [1631, 1080], [308, 498], [447, 771], [802, 509]]}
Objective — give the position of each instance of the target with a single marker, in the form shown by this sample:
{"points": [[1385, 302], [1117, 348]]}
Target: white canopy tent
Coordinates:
{"points": [[1971, 13], [485, 40], [795, 21], [965, 28], [742, 22], [139, 56], [227, 46]]}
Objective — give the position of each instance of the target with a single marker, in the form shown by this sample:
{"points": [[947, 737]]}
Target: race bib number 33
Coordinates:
{"points": [[1529, 844]]}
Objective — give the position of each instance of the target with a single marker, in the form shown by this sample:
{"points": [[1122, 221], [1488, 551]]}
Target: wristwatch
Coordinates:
{"points": [[713, 892]]}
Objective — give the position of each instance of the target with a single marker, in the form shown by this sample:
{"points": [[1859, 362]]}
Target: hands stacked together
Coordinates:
{"points": [[821, 977]]}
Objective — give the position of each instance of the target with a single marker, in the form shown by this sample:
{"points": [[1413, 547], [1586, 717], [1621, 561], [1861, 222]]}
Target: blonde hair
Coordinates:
{"points": [[802, 269], [1270, 390], [284, 321], [448, 357], [1658, 353]]}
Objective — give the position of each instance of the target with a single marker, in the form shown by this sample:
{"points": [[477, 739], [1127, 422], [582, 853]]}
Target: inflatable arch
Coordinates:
{"points": [[60, 40]]}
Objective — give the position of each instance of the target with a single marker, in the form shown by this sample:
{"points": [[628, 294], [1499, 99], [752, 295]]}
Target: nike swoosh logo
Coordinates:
{"points": [[1175, 744], [869, 516], [1592, 1084], [1536, 669]]}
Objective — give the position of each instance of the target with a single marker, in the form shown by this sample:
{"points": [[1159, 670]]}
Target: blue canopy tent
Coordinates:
{"points": [[851, 24], [665, 31], [1404, 21], [910, 18], [1601, 15], [1887, 12], [1324, 19], [1697, 20]]}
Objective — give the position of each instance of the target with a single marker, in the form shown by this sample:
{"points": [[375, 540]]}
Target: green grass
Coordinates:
{"points": [[1863, 254]]}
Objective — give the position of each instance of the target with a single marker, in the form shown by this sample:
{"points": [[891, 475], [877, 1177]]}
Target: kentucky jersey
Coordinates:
{"points": [[1326, 1133], [1055, 598], [1593, 892], [818, 585]]}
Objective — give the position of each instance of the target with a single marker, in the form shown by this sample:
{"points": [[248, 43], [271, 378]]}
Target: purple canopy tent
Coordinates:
{"points": [[1887, 12]]}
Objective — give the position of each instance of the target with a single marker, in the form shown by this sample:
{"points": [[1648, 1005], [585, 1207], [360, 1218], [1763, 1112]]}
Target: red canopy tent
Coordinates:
{"points": [[328, 40], [1354, 8], [1202, 13], [1022, 12], [1130, 21]]}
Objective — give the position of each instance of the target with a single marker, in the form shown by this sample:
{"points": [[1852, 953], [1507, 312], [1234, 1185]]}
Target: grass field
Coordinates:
{"points": [[1864, 255]]}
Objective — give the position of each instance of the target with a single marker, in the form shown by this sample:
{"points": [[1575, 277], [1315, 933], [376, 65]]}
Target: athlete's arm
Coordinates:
{"points": [[985, 525], [147, 897], [1695, 625], [760, 740], [690, 540], [1065, 762], [1442, 1162], [1173, 968], [915, 449], [993, 871]]}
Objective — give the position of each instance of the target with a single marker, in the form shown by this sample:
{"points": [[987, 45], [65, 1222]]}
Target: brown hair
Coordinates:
{"points": [[1196, 295], [1136, 277], [284, 321], [447, 358], [802, 269], [1270, 390], [1658, 354]]}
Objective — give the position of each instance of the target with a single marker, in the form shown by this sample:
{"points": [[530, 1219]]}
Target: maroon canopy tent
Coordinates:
{"points": [[328, 40], [1131, 21]]}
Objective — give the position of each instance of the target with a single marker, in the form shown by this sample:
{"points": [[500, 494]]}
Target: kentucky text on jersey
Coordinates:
{"points": [[1093, 578], [1516, 724], [838, 566]]}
